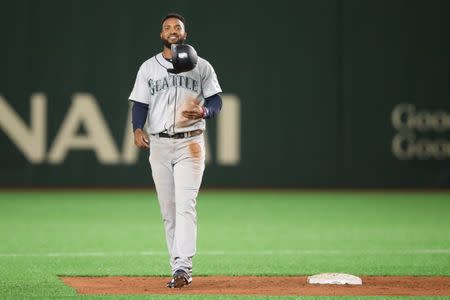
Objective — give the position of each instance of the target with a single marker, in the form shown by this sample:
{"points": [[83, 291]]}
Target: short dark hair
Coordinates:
{"points": [[173, 15]]}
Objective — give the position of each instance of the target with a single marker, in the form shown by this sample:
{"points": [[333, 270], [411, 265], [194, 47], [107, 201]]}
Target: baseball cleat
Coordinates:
{"points": [[179, 280]]}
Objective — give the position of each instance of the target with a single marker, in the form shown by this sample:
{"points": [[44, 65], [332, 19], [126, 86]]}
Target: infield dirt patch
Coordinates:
{"points": [[263, 285]]}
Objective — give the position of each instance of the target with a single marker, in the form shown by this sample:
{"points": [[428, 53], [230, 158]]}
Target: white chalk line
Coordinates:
{"points": [[233, 253]]}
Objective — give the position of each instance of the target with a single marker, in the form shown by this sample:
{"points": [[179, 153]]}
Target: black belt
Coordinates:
{"points": [[180, 135]]}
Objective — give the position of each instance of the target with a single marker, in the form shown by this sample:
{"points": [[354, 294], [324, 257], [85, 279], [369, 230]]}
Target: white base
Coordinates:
{"points": [[334, 278]]}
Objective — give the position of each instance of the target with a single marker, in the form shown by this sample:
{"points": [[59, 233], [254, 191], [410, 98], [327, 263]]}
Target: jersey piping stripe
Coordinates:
{"points": [[159, 62]]}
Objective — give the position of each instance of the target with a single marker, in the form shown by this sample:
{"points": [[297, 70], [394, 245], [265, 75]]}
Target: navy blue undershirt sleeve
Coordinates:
{"points": [[213, 106], [138, 114]]}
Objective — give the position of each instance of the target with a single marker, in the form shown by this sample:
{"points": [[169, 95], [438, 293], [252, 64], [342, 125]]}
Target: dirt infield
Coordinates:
{"points": [[254, 285]]}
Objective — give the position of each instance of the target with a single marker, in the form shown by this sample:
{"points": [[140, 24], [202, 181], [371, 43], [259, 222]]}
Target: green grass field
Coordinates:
{"points": [[46, 234]]}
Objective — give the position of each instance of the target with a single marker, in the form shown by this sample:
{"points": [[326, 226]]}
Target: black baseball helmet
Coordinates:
{"points": [[184, 58]]}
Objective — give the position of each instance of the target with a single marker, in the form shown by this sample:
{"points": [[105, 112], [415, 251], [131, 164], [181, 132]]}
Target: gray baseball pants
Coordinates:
{"points": [[177, 169]]}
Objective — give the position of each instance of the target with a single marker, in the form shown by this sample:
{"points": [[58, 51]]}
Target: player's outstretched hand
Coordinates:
{"points": [[141, 138]]}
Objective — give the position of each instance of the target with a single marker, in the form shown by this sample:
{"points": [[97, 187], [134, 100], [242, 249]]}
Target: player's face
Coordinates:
{"points": [[172, 32]]}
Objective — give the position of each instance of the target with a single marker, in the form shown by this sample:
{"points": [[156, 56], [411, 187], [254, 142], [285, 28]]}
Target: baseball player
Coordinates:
{"points": [[175, 105]]}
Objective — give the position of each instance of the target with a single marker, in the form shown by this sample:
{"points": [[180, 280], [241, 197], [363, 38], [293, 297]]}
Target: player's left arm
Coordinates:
{"points": [[212, 106], [210, 109], [211, 91]]}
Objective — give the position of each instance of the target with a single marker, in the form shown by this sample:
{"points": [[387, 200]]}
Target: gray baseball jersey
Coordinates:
{"points": [[169, 94]]}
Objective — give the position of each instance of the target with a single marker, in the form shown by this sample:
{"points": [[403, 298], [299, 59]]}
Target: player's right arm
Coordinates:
{"points": [[139, 113], [140, 97]]}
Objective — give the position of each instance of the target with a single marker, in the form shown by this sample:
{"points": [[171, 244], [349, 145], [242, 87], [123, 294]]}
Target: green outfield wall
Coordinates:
{"points": [[317, 93]]}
